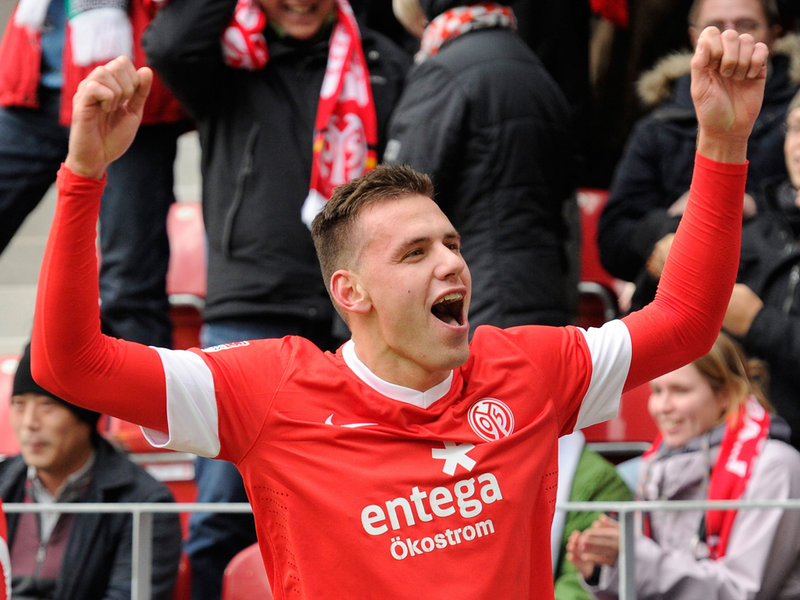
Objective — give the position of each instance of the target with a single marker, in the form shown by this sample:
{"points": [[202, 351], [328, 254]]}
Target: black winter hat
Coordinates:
{"points": [[24, 384]]}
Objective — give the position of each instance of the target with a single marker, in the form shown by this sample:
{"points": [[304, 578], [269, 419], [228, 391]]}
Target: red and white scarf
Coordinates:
{"points": [[346, 127], [458, 21], [745, 432], [744, 436]]}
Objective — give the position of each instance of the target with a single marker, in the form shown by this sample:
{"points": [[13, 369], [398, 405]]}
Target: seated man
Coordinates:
{"points": [[70, 556]]}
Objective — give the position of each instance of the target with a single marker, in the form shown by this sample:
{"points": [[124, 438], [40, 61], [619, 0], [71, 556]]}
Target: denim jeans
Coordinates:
{"points": [[134, 246], [32, 147], [214, 538]]}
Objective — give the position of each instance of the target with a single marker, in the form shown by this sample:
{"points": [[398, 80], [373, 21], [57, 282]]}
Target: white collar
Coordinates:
{"points": [[392, 390]]}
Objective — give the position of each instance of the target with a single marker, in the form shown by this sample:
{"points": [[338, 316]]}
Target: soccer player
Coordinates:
{"points": [[411, 463]]}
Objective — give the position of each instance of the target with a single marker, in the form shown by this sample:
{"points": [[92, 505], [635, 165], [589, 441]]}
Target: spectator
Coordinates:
{"points": [[583, 476], [65, 556], [712, 415], [44, 54], [649, 188], [764, 311], [396, 464], [482, 116], [259, 115], [627, 39]]}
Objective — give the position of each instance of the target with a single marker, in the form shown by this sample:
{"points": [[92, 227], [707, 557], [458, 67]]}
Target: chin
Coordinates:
{"points": [[457, 355]]}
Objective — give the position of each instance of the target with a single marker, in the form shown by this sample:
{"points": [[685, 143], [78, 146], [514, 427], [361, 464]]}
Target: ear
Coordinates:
{"points": [[723, 398], [348, 293]]}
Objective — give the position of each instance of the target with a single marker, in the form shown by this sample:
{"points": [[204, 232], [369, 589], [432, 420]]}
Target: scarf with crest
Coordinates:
{"points": [[345, 129], [744, 435], [460, 20]]}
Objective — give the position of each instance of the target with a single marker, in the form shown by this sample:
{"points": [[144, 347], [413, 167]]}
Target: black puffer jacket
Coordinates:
{"points": [[656, 166], [256, 132], [770, 266], [487, 122]]}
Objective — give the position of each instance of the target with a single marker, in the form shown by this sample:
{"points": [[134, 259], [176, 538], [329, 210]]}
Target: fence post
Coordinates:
{"points": [[141, 555], [627, 557]]}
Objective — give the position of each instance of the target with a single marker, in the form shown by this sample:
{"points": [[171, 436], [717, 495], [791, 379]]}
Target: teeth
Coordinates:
{"points": [[452, 297], [299, 10]]}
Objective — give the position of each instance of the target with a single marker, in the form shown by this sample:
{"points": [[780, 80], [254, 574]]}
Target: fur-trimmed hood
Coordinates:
{"points": [[656, 85]]}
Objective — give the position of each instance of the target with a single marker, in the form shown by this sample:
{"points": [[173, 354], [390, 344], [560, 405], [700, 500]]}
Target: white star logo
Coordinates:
{"points": [[454, 454]]}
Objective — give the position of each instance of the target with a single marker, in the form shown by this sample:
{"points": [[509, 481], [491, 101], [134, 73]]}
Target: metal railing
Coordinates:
{"points": [[142, 524]]}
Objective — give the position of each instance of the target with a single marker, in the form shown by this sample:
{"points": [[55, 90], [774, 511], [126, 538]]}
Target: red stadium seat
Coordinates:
{"points": [[598, 290], [186, 275], [183, 584], [8, 440], [245, 577], [629, 433]]}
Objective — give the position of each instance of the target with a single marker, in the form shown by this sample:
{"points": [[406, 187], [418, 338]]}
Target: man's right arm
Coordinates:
{"points": [[70, 356]]}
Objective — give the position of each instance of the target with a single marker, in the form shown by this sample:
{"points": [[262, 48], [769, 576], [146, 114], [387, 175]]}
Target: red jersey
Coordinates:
{"points": [[360, 486]]}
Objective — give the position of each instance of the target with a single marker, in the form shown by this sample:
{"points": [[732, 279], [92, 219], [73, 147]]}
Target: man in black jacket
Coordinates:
{"points": [[276, 133], [483, 117], [64, 459]]}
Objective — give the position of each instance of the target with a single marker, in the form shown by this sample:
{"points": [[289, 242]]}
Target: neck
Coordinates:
{"points": [[54, 480], [397, 370]]}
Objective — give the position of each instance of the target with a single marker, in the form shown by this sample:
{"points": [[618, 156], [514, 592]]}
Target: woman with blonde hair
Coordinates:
{"points": [[718, 439]]}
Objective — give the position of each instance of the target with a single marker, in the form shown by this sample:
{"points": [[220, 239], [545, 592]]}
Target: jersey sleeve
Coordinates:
{"points": [[582, 370], [70, 357], [683, 320], [218, 399]]}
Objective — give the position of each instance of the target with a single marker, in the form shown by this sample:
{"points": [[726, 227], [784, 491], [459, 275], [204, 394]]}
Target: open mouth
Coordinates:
{"points": [[450, 309]]}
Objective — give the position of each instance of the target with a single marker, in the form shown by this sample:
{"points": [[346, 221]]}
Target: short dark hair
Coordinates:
{"points": [[333, 228], [770, 8]]}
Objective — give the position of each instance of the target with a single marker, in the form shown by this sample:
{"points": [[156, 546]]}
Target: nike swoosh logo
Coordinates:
{"points": [[329, 421]]}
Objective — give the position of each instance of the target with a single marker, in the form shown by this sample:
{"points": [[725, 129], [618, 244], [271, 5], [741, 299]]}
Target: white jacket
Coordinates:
{"points": [[762, 560]]}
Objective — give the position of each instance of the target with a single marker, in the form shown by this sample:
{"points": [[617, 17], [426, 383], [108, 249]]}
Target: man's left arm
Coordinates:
{"points": [[682, 322]]}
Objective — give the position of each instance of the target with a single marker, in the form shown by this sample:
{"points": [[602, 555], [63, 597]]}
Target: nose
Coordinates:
{"points": [[660, 402], [450, 263], [30, 416]]}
